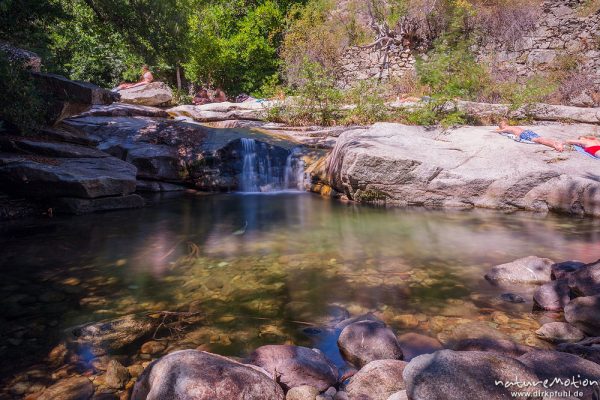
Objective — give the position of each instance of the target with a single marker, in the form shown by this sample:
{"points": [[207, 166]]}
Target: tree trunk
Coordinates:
{"points": [[178, 77]]}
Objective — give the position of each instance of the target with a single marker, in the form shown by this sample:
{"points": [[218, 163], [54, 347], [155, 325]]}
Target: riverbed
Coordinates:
{"points": [[267, 268]]}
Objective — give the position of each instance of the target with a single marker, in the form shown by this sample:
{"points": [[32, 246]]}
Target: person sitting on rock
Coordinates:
{"points": [[147, 78], [525, 135], [590, 144], [201, 97], [219, 96]]}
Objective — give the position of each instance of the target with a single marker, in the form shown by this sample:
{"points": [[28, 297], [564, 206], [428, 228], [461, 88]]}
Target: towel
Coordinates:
{"points": [[582, 150], [513, 137]]}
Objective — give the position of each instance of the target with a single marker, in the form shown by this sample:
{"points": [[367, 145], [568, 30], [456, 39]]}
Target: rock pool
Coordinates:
{"points": [[228, 273]]}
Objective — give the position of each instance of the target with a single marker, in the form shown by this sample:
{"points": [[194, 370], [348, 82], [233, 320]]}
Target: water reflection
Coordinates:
{"points": [[263, 268]]}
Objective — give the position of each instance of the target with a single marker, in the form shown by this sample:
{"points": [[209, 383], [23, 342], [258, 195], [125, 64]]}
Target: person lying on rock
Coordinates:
{"points": [[525, 135], [147, 78], [590, 144]]}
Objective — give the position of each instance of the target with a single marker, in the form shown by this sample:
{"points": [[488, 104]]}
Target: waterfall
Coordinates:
{"points": [[264, 169]]}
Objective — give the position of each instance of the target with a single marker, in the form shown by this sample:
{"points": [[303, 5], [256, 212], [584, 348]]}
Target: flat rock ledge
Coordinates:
{"points": [[465, 167]]}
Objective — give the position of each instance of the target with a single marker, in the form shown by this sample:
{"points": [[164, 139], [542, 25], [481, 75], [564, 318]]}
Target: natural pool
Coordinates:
{"points": [[264, 269]]}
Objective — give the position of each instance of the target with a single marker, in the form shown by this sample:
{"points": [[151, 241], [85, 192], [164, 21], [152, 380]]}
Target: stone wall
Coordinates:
{"points": [[372, 63], [562, 34]]}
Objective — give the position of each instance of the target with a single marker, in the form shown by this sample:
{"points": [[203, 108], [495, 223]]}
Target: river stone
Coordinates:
{"points": [[365, 341], [589, 352], [584, 313], [377, 380], [471, 167], [564, 269], [151, 94], [559, 332], [116, 375], [295, 366], [460, 375], [548, 364], [586, 280], [512, 298], [496, 346], [365, 317], [527, 270], [552, 296], [414, 344], [76, 388], [304, 392], [198, 375]]}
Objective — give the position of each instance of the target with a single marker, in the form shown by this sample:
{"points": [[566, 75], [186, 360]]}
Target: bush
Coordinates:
{"points": [[369, 98], [21, 104]]}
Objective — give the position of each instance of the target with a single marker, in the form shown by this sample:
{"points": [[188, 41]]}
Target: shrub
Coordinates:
{"points": [[368, 98]]}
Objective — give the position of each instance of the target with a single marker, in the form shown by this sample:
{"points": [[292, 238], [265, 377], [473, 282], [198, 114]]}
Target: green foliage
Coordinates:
{"points": [[21, 104], [369, 98]]}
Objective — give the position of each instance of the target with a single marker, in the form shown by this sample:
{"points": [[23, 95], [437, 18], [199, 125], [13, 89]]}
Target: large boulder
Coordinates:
{"points": [[225, 111], [501, 347], [551, 365], [25, 58], [459, 375], [527, 270], [559, 332], [587, 349], [151, 94], [377, 380], [197, 375], [471, 167], [552, 296], [365, 341], [562, 270], [296, 366], [584, 313], [585, 281], [67, 177]]}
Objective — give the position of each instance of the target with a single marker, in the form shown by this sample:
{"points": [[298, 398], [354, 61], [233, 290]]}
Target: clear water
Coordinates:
{"points": [[268, 269]]}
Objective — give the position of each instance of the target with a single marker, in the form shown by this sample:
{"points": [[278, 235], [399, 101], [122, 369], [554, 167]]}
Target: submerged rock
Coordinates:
{"points": [[295, 366], [584, 313], [527, 270], [414, 344], [552, 296], [377, 380], [365, 341], [512, 298], [460, 375], [197, 375], [559, 332]]}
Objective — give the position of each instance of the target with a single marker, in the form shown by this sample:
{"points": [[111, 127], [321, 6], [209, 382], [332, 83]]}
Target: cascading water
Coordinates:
{"points": [[266, 170]]}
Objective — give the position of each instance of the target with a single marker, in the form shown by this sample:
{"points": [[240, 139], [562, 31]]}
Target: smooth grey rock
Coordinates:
{"points": [[24, 145], [470, 167], [225, 111], [552, 296], [585, 281], [197, 375], [377, 380], [548, 364], [116, 375], [365, 317], [75, 388], [296, 366], [497, 346], [125, 110], [304, 392], [401, 395], [365, 341], [68, 177], [559, 332], [459, 375], [590, 351], [151, 94], [584, 313], [527, 270], [414, 344]]}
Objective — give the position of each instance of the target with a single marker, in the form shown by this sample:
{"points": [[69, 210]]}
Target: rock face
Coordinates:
{"points": [[528, 270], [584, 313], [454, 375], [296, 366], [552, 296], [553, 364], [197, 375], [471, 167], [559, 332], [377, 380], [365, 341], [251, 111], [151, 94]]}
